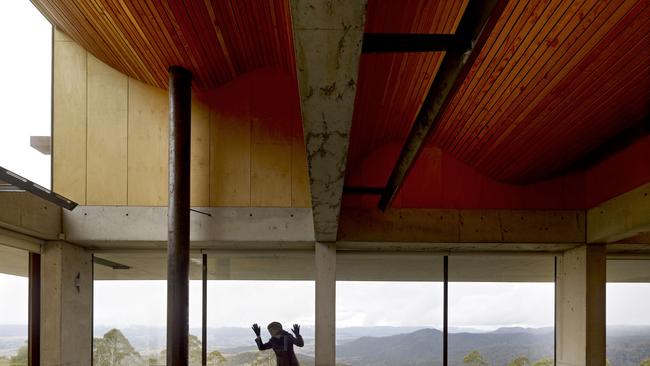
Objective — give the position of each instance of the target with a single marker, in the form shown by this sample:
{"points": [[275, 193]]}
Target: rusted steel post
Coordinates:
{"points": [[178, 246]]}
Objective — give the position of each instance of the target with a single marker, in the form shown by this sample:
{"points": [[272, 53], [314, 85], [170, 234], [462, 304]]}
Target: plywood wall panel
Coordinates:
{"points": [[69, 121], [230, 156], [270, 164], [107, 134], [247, 142], [200, 166], [148, 133]]}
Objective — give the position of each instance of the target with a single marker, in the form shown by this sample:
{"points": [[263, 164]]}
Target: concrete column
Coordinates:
{"points": [[66, 305], [580, 306], [325, 304]]}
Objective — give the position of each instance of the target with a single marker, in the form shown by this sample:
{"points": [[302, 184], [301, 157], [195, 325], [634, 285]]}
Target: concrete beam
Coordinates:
{"points": [[621, 217], [24, 213], [463, 226], [14, 261], [325, 258], [66, 305], [103, 225], [327, 41], [580, 306], [20, 241]]}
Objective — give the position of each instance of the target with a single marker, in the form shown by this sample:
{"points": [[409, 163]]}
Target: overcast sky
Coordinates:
{"points": [[25, 90], [240, 303]]}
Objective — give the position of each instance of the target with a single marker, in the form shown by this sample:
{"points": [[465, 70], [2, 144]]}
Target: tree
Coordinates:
{"points": [[195, 346], [114, 350], [20, 359], [645, 362], [215, 358], [194, 350], [265, 358], [474, 358], [520, 361], [544, 362]]}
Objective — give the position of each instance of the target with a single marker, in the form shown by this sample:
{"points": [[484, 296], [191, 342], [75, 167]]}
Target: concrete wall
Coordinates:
{"points": [[66, 309]]}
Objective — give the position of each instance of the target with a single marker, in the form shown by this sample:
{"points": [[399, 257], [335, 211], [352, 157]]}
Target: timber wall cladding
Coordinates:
{"points": [[110, 138]]}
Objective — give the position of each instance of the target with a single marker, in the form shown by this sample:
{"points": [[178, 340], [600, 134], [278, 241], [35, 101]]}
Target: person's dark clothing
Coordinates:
{"points": [[283, 348]]}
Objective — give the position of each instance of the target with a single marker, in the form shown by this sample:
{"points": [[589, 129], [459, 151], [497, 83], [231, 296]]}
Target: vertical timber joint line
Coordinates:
{"points": [[178, 245]]}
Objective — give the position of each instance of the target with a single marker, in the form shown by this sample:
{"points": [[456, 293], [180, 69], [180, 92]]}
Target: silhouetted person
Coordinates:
{"points": [[281, 342]]}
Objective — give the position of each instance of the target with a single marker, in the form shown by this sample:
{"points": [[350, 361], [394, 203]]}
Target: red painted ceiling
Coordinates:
{"points": [[555, 80]]}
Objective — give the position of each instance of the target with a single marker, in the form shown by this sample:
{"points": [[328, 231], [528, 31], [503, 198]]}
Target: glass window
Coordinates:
{"points": [[501, 310], [389, 309], [14, 292], [259, 288], [130, 309], [628, 318], [25, 91]]}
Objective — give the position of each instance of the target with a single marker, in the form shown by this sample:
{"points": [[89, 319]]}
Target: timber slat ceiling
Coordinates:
{"points": [[555, 80], [216, 39], [392, 86]]}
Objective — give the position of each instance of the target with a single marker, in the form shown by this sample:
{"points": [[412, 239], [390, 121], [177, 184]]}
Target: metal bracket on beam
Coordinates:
{"points": [[412, 42], [111, 264], [25, 184]]}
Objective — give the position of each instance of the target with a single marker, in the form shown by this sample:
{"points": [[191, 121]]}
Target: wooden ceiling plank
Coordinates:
{"points": [[600, 117], [101, 22], [276, 36], [272, 39], [167, 43], [160, 40], [77, 32], [504, 87], [450, 119], [557, 70], [520, 38], [590, 16], [244, 43], [190, 60], [220, 38], [543, 54], [133, 43], [221, 71], [588, 112], [585, 80], [563, 66], [405, 87]]}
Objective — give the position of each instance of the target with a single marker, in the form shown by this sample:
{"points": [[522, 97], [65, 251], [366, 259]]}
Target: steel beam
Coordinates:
{"points": [[412, 42], [178, 246], [475, 26]]}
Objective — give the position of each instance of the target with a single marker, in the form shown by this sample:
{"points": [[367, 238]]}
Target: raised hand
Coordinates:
{"points": [[257, 330], [296, 330]]}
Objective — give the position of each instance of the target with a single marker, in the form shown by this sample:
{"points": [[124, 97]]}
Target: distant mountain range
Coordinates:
{"points": [[388, 346], [627, 346]]}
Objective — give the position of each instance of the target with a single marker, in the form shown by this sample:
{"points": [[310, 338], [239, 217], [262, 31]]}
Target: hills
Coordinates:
{"points": [[394, 346], [424, 347]]}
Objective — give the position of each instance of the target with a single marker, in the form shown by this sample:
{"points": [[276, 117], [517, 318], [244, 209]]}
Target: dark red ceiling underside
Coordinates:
{"points": [[555, 80]]}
